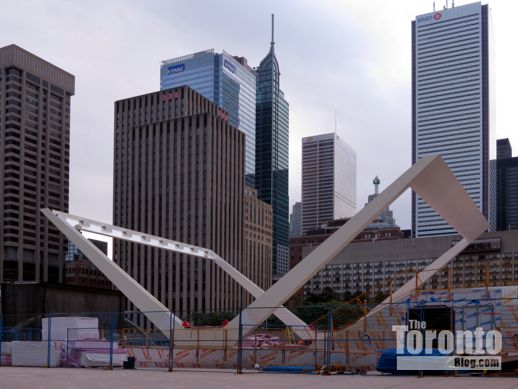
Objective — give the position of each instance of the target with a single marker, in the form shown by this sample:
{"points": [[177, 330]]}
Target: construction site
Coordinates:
{"points": [[353, 338]]}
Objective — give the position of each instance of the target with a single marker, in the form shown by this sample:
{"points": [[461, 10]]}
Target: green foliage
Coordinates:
{"points": [[210, 318]]}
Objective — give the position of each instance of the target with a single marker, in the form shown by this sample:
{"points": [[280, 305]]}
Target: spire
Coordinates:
{"points": [[273, 25], [376, 183]]}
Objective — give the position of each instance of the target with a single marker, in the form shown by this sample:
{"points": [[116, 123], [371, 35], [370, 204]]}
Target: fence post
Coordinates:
{"points": [[240, 344], [68, 330], [49, 336], [327, 357], [1, 337], [112, 327], [171, 341]]}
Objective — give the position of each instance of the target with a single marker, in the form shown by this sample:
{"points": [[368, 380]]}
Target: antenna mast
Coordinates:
{"points": [[273, 25]]}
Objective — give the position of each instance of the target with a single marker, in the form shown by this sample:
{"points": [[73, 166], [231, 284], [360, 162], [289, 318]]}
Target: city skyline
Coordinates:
{"points": [[365, 77]]}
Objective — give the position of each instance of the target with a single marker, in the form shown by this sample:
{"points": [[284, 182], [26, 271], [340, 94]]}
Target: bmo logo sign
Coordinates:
{"points": [[437, 16]]}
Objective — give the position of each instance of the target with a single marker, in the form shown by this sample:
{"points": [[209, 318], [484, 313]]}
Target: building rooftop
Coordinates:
{"points": [[13, 55]]}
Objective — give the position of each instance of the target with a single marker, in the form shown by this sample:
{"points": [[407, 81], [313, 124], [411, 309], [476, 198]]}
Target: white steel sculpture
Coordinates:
{"points": [[429, 177], [160, 315]]}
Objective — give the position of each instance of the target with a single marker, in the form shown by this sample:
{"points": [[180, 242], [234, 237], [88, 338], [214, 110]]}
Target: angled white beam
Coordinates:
{"points": [[424, 275], [105, 229], [154, 310], [430, 178]]}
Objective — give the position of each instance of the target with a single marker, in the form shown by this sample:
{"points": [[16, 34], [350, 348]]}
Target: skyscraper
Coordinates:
{"points": [[328, 180], [179, 174], [225, 80], [296, 220], [34, 164], [258, 239], [450, 104], [272, 151], [506, 187]]}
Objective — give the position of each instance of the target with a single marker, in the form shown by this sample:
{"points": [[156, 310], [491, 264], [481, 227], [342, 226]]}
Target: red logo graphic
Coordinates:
{"points": [[437, 16]]}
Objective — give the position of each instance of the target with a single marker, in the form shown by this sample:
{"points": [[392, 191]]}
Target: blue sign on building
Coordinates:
{"points": [[176, 68], [229, 66]]}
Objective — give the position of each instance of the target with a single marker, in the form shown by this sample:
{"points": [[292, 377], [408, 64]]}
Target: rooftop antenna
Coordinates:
{"points": [[433, 5], [336, 121], [453, 3], [273, 24], [446, 5], [376, 183]]}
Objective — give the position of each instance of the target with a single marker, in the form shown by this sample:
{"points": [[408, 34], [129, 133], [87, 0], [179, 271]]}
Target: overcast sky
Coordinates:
{"points": [[352, 56]]}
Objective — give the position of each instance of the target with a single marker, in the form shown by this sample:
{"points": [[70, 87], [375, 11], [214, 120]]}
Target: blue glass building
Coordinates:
{"points": [[227, 81], [271, 155]]}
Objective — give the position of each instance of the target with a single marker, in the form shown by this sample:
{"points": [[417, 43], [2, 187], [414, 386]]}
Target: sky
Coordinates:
{"points": [[351, 57]]}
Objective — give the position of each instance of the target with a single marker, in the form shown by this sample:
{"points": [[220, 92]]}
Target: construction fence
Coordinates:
{"points": [[340, 337]]}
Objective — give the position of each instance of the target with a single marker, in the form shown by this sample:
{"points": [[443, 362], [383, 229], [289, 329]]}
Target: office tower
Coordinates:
{"points": [[34, 164], [328, 180], [225, 80], [506, 187], [450, 104], [258, 239], [272, 150], [296, 220], [503, 149], [179, 174], [386, 218]]}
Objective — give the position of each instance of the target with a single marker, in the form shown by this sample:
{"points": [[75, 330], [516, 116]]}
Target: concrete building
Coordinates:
{"points": [[179, 174], [225, 80], [80, 271], [300, 246], [328, 180], [296, 220], [34, 164], [385, 265], [271, 156], [506, 187], [258, 239], [451, 111]]}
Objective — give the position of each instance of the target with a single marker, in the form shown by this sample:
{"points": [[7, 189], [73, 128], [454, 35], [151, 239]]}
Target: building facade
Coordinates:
{"points": [[384, 266], [506, 187], [296, 220], [227, 81], [451, 112], [328, 180], [34, 164], [271, 155], [300, 246], [258, 239], [80, 271], [179, 174]]}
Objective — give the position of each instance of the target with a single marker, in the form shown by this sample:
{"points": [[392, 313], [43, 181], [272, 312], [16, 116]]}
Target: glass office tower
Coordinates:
{"points": [[271, 163], [227, 81], [450, 104]]}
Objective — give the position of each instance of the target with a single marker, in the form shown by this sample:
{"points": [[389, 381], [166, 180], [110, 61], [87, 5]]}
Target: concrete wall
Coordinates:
{"points": [[20, 302]]}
